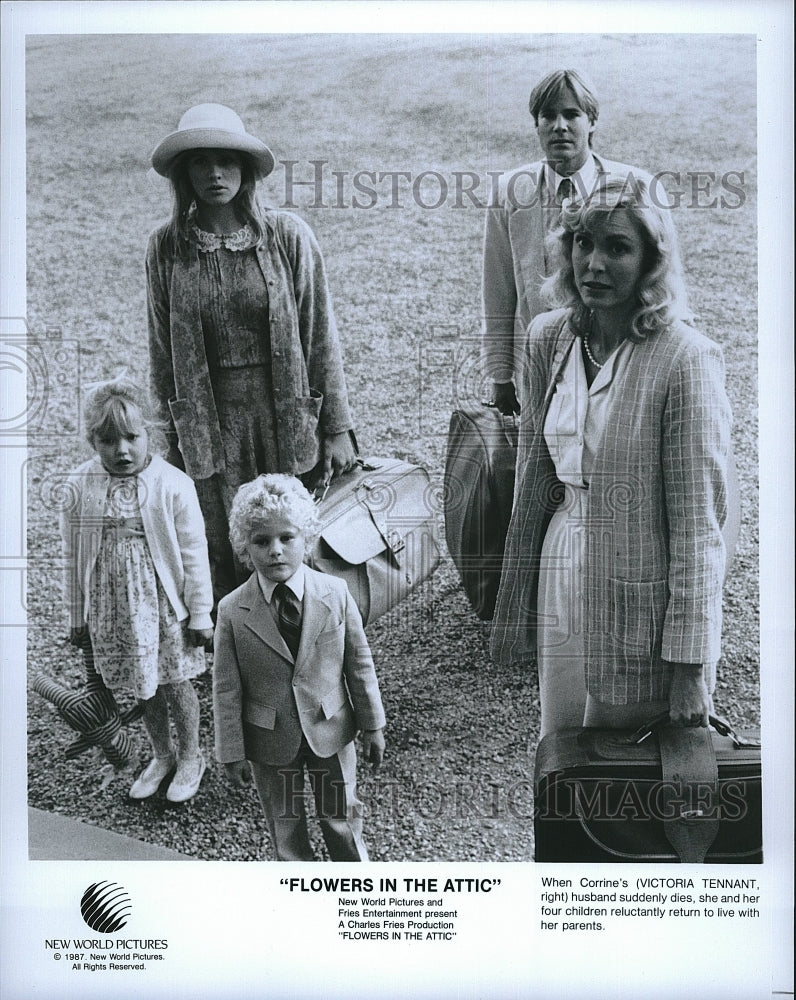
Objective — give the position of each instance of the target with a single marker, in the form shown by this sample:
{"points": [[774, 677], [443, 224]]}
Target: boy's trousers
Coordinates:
{"points": [[333, 780]]}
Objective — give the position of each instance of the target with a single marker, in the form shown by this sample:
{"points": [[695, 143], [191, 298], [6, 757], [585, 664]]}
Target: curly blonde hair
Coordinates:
{"points": [[661, 293], [261, 500]]}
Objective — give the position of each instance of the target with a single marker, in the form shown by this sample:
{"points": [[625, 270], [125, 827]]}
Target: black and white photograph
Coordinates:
{"points": [[395, 416]]}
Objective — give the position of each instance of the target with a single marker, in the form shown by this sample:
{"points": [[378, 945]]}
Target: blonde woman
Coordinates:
{"points": [[615, 555], [244, 351]]}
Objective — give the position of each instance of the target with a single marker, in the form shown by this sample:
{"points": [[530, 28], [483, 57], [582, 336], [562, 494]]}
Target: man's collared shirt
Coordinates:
{"points": [[583, 180]]}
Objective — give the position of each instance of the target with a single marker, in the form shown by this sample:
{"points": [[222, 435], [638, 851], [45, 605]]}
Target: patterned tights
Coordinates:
{"points": [[178, 702]]}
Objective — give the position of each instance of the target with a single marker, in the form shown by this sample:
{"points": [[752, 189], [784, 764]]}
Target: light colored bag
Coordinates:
{"points": [[378, 533]]}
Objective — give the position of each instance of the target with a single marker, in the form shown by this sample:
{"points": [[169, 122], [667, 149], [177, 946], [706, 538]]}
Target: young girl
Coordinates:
{"points": [[245, 358], [138, 580]]}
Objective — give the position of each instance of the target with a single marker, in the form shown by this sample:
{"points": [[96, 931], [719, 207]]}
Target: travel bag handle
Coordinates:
{"points": [[688, 761], [507, 421], [319, 493], [660, 721]]}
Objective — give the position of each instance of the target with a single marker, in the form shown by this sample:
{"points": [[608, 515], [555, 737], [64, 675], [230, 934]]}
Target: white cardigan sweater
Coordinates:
{"points": [[174, 529]]}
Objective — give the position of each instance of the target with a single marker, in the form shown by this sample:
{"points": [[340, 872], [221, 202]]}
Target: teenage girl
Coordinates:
{"points": [[245, 359]]}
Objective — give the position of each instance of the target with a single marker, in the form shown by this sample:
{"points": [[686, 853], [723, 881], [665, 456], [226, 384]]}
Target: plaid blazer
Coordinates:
{"points": [[655, 554]]}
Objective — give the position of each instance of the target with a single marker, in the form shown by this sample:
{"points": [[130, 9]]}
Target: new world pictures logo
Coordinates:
{"points": [[105, 907]]}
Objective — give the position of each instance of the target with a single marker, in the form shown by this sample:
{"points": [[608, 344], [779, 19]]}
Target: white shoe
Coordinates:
{"points": [[150, 779], [185, 783]]}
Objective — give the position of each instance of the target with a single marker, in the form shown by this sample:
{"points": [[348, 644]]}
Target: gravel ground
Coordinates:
{"points": [[455, 783]]}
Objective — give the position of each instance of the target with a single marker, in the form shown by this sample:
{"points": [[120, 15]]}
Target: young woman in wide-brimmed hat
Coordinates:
{"points": [[244, 351]]}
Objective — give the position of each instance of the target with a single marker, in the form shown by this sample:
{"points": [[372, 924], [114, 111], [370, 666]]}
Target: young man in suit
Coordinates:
{"points": [[565, 110], [293, 676]]}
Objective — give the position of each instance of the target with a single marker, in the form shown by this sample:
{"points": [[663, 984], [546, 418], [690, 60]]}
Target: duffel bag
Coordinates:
{"points": [[378, 533], [660, 794], [478, 491]]}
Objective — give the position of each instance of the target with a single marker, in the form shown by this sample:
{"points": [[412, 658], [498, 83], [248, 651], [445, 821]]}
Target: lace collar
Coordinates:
{"points": [[241, 239]]}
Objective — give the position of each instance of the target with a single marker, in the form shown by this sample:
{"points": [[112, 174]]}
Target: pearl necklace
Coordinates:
{"points": [[589, 354]]}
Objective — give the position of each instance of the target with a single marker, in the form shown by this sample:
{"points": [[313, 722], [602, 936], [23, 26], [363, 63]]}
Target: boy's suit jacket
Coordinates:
{"points": [[514, 263], [263, 702]]}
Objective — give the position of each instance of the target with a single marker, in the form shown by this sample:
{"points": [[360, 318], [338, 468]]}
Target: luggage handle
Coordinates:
{"points": [[492, 406], [719, 724], [506, 421], [319, 493]]}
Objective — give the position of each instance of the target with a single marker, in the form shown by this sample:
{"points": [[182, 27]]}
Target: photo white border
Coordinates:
{"points": [[31, 896]]}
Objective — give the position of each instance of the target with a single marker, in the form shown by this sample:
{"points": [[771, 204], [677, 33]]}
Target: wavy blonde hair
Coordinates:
{"points": [[661, 294], [109, 410]]}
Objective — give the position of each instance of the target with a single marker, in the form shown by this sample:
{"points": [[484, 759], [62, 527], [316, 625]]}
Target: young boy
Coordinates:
{"points": [[293, 676]]}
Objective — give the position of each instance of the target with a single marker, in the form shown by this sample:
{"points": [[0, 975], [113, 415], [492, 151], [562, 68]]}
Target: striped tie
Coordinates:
{"points": [[288, 617]]}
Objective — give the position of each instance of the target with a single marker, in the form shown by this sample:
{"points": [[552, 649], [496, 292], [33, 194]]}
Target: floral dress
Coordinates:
{"points": [[233, 305], [137, 639]]}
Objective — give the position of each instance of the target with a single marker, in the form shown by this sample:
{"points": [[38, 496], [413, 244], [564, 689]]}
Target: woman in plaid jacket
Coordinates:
{"points": [[615, 555]]}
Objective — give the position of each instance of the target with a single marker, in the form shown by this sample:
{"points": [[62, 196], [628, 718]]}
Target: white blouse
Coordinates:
{"points": [[576, 416]]}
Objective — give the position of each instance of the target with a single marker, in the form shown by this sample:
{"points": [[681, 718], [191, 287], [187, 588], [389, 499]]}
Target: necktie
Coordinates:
{"points": [[288, 617], [565, 190]]}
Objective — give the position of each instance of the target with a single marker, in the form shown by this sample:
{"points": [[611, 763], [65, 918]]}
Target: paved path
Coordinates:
{"points": [[52, 837]]}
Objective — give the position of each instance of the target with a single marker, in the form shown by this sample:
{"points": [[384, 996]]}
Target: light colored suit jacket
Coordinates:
{"points": [[263, 701], [515, 263], [658, 491]]}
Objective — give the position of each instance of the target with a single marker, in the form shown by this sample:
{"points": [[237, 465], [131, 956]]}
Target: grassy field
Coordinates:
{"points": [[405, 282]]}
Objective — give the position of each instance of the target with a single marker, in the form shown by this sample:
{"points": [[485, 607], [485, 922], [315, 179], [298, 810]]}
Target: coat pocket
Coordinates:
{"points": [[331, 636], [306, 438], [639, 610], [333, 701], [259, 715], [193, 439]]}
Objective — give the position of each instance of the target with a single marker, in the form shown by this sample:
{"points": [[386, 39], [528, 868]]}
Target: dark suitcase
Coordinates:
{"points": [[378, 533], [608, 796], [478, 491]]}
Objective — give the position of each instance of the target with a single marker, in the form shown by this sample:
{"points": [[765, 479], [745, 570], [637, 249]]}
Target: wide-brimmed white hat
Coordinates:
{"points": [[211, 126]]}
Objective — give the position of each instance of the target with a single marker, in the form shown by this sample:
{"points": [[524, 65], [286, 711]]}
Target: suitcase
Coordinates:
{"points": [[617, 796], [378, 533], [479, 491]]}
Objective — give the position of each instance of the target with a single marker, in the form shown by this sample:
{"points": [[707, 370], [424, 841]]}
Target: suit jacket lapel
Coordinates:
{"points": [[527, 238], [260, 619], [315, 612], [565, 338]]}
